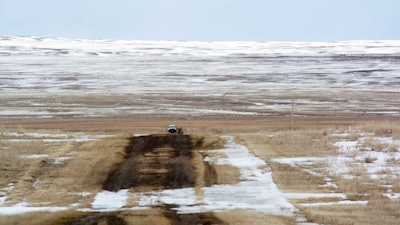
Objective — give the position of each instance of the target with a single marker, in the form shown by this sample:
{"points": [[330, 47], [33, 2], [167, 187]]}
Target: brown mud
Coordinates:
{"points": [[157, 162], [163, 217], [96, 219], [197, 219]]}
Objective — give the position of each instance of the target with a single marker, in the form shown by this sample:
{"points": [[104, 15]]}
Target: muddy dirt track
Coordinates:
{"points": [[155, 162]]}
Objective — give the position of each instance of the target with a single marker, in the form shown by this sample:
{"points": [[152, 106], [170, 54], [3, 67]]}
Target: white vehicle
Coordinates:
{"points": [[172, 129]]}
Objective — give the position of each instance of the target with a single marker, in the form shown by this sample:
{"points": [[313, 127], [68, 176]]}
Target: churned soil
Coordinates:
{"points": [[155, 162]]}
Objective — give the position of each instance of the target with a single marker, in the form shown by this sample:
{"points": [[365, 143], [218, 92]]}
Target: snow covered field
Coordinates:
{"points": [[48, 77]]}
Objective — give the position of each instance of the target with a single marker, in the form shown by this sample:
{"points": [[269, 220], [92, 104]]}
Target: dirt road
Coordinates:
{"points": [[156, 162]]}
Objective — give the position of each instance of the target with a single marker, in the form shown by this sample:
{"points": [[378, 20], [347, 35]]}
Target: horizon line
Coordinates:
{"points": [[177, 40]]}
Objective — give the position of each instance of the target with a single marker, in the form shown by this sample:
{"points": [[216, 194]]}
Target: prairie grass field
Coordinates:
{"points": [[63, 163], [274, 132]]}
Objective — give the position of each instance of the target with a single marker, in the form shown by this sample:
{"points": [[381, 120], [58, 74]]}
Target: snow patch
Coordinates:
{"points": [[314, 195], [110, 201], [4, 192], [84, 194], [392, 196], [23, 207], [60, 160], [87, 138], [34, 135], [346, 202], [378, 161], [140, 135], [256, 191], [34, 156]]}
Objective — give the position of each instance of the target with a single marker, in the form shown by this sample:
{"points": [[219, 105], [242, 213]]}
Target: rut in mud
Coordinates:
{"points": [[156, 162], [196, 219], [96, 219]]}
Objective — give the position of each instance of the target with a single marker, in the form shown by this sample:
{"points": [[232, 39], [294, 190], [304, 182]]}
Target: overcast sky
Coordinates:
{"points": [[204, 20]]}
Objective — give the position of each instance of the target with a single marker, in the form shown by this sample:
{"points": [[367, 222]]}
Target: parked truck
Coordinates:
{"points": [[172, 129]]}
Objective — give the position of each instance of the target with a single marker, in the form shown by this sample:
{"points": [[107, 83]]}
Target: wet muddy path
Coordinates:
{"points": [[156, 162]]}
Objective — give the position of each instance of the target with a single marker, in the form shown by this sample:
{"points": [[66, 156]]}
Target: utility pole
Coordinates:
{"points": [[292, 114]]}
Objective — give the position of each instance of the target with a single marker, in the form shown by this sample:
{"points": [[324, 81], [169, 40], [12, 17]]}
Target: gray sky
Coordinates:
{"points": [[204, 20]]}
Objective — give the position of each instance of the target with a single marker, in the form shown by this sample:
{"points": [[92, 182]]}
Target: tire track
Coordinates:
{"points": [[154, 162], [157, 162]]}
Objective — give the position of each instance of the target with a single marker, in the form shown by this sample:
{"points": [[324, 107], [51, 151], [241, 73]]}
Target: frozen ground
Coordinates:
{"points": [[44, 137], [255, 191], [53, 77], [375, 157], [64, 78]]}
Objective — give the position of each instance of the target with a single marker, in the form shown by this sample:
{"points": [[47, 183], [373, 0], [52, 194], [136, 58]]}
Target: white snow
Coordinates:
{"points": [[314, 195], [84, 194], [87, 138], [33, 135], [60, 160], [346, 146], [110, 201], [50, 138], [392, 196], [35, 156], [54, 137], [37, 181], [140, 135], [256, 191], [4, 192], [298, 160], [24, 207], [3, 197], [346, 202], [378, 163], [65, 67]]}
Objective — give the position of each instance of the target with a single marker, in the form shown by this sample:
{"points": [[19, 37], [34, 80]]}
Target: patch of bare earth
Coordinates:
{"points": [[157, 162]]}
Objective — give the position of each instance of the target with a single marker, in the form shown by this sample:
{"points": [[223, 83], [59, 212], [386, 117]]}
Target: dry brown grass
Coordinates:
{"points": [[316, 142], [381, 128], [360, 186], [293, 179], [146, 217], [396, 186], [369, 159], [240, 217], [17, 168], [227, 174], [209, 142], [374, 144], [298, 143], [267, 137], [38, 218], [223, 174], [354, 135], [85, 169], [376, 212]]}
